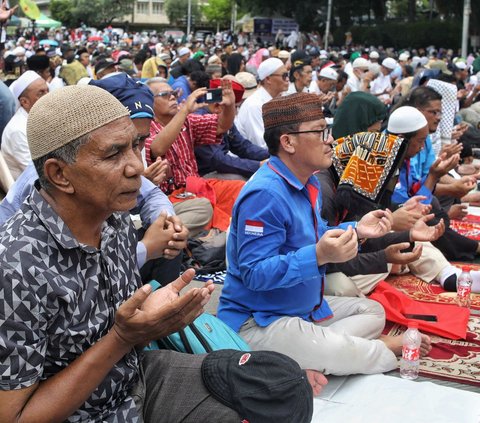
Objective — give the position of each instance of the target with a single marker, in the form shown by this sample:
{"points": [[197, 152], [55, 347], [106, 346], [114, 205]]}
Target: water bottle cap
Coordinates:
{"points": [[412, 324], [466, 269]]}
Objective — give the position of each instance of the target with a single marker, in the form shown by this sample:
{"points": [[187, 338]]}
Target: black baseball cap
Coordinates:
{"points": [[261, 386]]}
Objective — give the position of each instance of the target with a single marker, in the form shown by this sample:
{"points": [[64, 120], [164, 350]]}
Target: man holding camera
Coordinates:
{"points": [[174, 133]]}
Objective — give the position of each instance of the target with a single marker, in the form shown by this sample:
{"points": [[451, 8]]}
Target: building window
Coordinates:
{"points": [[157, 8], [142, 7]]}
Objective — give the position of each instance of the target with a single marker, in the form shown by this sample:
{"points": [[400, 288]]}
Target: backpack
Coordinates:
{"points": [[206, 334]]}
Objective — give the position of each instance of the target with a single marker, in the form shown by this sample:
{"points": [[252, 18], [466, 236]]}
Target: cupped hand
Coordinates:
{"points": [[336, 246], [375, 224]]}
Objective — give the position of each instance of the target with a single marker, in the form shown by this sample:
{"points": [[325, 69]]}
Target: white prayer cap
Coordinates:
{"points": [[183, 51], [329, 73], [406, 119], [404, 56], [360, 62], [374, 55], [283, 54], [269, 66], [19, 51], [389, 63], [266, 53], [22, 83]]}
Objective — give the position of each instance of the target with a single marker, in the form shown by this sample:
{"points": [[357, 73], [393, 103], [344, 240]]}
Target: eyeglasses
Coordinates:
{"points": [[324, 133], [167, 94], [282, 75]]}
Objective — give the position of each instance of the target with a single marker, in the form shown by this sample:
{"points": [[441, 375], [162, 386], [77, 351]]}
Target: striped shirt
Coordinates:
{"points": [[197, 130]]}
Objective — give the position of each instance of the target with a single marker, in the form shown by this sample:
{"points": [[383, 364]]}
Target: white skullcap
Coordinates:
{"points": [[183, 51], [283, 54], [101, 45], [269, 66], [22, 83], [329, 73], [360, 62], [265, 53], [389, 63], [403, 57], [19, 51], [374, 55], [406, 119], [461, 65]]}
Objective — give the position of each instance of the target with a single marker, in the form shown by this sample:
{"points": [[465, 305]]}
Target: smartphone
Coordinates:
{"points": [[213, 95]]}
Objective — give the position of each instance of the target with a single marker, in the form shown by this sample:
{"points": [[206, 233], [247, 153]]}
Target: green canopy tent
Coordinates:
{"points": [[46, 22]]}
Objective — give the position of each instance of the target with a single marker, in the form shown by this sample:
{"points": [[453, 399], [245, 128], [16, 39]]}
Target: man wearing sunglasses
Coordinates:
{"points": [[278, 249], [274, 80]]}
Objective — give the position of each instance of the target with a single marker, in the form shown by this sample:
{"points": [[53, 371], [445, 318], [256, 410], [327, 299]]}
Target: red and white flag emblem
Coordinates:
{"points": [[253, 227], [244, 358]]}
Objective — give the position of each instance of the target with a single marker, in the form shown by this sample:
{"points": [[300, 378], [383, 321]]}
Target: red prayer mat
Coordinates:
{"points": [[452, 360], [469, 226]]}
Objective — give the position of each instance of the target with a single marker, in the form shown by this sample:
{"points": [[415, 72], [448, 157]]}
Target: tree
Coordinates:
{"points": [[101, 12], [177, 10], [218, 12], [62, 10]]}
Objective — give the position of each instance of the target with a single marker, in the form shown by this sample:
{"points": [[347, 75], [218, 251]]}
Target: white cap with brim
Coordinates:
{"points": [[360, 62], [22, 83], [328, 73], [389, 63], [405, 120], [269, 66]]}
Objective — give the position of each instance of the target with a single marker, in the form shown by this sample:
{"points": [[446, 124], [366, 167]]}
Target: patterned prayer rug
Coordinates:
{"points": [[453, 360], [469, 226]]}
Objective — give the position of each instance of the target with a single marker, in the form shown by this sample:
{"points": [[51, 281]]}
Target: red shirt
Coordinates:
{"points": [[197, 130]]}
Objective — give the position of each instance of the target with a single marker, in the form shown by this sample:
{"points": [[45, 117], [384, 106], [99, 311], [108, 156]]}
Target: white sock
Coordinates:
{"points": [[476, 281], [448, 277]]}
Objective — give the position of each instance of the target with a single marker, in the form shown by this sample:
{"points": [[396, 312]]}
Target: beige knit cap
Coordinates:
{"points": [[66, 114]]}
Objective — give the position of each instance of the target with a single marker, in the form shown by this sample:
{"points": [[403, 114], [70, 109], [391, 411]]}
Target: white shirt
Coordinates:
{"points": [[354, 83], [15, 149], [293, 90], [249, 119], [380, 84]]}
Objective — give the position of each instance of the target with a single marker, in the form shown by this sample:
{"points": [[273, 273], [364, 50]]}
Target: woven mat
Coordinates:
{"points": [[455, 361]]}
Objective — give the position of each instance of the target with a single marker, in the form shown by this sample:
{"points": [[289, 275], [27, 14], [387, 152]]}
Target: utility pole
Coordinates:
{"points": [[327, 26], [466, 19], [189, 17]]}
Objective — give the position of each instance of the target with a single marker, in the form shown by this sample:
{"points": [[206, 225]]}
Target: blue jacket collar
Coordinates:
{"points": [[282, 170]]}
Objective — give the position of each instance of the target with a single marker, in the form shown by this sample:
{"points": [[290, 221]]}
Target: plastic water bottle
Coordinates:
{"points": [[410, 352], [464, 288]]}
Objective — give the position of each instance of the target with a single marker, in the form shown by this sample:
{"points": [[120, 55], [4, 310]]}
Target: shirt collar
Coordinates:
{"points": [[58, 229], [282, 170]]}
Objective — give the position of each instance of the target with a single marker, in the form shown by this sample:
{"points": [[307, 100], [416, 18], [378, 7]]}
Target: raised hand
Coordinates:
{"points": [[157, 171], [158, 236], [148, 316], [395, 255], [180, 237], [414, 204], [404, 218], [443, 165], [458, 211], [375, 224], [336, 246], [422, 232], [191, 104]]}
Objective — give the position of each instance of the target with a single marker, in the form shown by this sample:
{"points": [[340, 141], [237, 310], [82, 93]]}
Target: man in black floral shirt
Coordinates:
{"points": [[72, 309]]}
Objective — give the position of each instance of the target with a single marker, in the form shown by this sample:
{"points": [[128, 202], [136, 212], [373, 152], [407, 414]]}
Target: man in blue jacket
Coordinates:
{"points": [[279, 247]]}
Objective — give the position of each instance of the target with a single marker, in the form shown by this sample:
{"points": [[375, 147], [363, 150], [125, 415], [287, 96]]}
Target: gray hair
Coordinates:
{"points": [[156, 79], [67, 153]]}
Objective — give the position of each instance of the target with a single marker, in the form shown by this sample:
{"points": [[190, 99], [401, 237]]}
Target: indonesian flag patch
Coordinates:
{"points": [[253, 227]]}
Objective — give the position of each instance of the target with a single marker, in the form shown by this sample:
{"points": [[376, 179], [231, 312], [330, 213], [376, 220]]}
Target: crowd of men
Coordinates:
{"points": [[330, 170]]}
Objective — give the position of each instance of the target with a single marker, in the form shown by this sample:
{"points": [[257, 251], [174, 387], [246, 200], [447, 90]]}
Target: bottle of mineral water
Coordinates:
{"points": [[410, 352], [464, 288]]}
